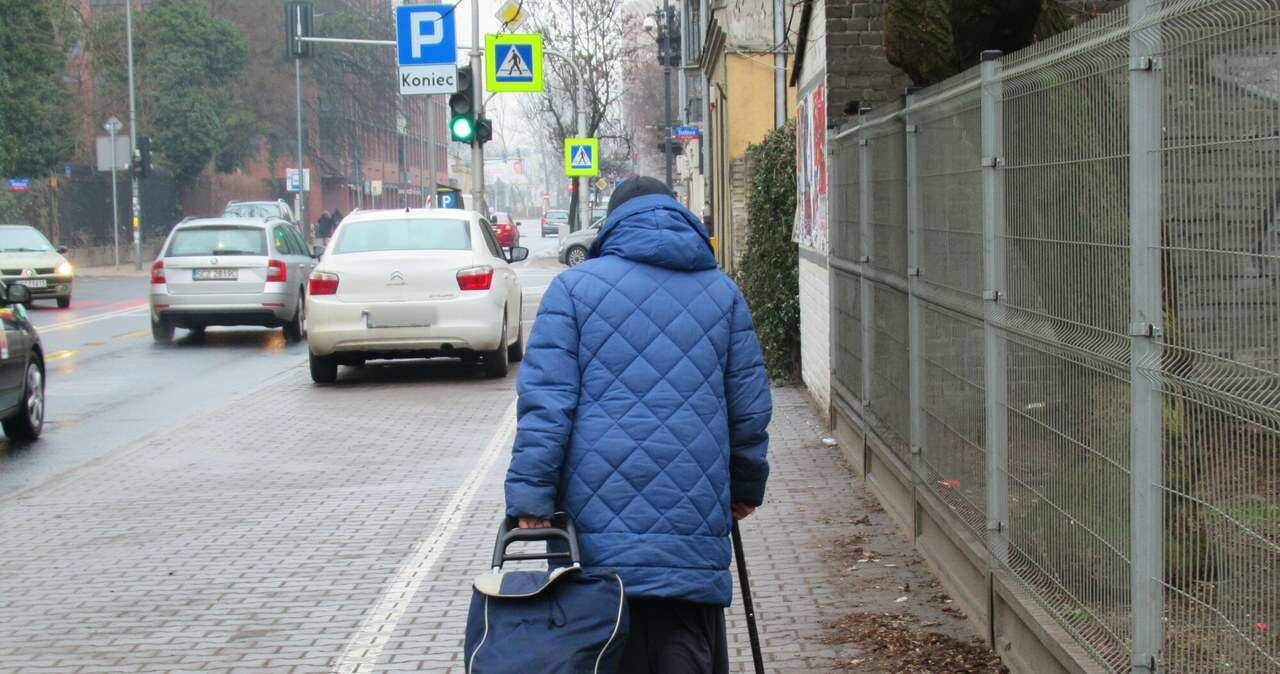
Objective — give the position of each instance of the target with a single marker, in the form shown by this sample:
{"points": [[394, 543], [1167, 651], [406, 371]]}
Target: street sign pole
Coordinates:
{"points": [[431, 153], [113, 127], [133, 139], [302, 197], [664, 48]]}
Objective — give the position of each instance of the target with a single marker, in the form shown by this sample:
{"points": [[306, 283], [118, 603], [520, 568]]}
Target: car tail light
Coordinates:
{"points": [[277, 272], [475, 278], [322, 283], [157, 272]]}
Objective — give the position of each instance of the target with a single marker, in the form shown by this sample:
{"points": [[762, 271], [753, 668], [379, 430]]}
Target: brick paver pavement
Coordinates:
{"points": [[265, 535]]}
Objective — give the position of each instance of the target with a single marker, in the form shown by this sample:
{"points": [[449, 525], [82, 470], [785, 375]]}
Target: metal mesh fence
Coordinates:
{"points": [[1083, 239], [1220, 367], [952, 405]]}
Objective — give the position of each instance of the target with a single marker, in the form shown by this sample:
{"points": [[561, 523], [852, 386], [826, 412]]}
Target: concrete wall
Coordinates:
{"points": [[815, 327]]}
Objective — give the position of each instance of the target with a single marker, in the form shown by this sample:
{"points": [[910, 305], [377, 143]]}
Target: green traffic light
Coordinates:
{"points": [[463, 128]]}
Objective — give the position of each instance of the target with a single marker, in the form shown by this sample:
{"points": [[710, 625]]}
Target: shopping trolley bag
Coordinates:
{"points": [[563, 620]]}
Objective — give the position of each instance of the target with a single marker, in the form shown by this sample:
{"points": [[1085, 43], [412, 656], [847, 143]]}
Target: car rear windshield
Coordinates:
{"points": [[558, 215], [217, 241], [23, 240], [368, 236], [256, 211]]}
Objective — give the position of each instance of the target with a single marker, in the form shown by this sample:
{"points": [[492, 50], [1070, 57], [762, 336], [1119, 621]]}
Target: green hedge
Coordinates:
{"points": [[769, 271]]}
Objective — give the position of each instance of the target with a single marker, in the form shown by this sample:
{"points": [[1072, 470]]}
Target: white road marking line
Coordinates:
{"points": [[362, 652], [77, 322]]}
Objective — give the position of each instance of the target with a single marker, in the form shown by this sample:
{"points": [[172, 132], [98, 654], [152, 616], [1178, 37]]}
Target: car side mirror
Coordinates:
{"points": [[517, 254], [16, 294], [62, 250], [316, 251]]}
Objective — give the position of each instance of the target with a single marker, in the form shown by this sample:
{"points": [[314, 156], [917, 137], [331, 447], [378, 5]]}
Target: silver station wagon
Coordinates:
{"points": [[230, 271]]}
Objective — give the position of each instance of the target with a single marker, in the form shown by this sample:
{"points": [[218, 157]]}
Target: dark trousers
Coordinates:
{"points": [[675, 637]]}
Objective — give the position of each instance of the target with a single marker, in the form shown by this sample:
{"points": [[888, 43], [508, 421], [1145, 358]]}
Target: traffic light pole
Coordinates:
{"points": [[133, 139], [477, 80]]}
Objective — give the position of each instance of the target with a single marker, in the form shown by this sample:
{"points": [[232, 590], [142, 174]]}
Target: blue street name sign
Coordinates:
{"points": [[684, 133], [19, 184], [425, 35]]}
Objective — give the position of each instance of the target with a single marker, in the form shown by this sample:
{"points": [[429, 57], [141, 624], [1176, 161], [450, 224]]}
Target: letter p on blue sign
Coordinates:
{"points": [[425, 35]]}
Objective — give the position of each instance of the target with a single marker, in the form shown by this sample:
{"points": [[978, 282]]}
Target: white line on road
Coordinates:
{"points": [[361, 653], [77, 322]]}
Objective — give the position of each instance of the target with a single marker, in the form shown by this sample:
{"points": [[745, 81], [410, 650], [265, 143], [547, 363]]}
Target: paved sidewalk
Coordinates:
{"points": [[289, 530]]}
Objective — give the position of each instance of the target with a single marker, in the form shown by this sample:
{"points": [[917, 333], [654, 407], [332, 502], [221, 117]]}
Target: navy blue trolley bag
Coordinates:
{"points": [[563, 620]]}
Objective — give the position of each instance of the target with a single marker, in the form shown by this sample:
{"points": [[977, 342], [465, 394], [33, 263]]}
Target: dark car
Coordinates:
{"points": [[551, 221], [21, 369], [505, 230]]}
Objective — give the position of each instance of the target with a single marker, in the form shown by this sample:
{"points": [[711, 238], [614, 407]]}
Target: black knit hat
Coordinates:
{"points": [[637, 186]]}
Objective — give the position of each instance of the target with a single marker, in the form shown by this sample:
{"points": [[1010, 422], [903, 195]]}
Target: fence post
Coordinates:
{"points": [[864, 285], [1146, 430], [995, 361], [915, 325]]}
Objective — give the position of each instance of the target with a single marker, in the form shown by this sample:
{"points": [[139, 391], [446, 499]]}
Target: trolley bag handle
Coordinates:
{"points": [[561, 529]]}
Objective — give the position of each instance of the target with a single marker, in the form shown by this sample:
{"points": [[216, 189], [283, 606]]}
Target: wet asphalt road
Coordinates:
{"points": [[109, 384]]}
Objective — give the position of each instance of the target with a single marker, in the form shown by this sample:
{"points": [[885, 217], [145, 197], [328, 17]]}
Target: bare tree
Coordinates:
{"points": [[597, 35]]}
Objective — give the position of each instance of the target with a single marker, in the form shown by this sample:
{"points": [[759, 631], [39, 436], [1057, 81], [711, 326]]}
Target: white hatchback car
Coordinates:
{"points": [[420, 283]]}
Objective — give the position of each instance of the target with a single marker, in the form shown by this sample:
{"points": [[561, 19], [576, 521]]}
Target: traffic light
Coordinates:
{"points": [[298, 22], [484, 130], [141, 165], [462, 122], [572, 185]]}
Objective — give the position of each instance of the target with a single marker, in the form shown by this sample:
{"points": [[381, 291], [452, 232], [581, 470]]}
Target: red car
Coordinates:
{"points": [[505, 230]]}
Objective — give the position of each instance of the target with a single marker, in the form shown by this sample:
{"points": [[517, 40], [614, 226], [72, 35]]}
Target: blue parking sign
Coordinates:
{"points": [[425, 35]]}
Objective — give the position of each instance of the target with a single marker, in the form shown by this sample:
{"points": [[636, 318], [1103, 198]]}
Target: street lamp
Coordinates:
{"points": [[661, 25]]}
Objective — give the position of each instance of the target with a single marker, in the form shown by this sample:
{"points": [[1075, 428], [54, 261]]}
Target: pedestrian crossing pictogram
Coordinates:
{"points": [[514, 64], [581, 157]]}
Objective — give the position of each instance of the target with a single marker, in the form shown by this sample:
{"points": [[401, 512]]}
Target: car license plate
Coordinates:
{"points": [[214, 274], [34, 283], [399, 317]]}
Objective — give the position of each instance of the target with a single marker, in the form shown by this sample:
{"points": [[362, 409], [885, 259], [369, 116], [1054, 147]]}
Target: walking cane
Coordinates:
{"points": [[745, 584]]}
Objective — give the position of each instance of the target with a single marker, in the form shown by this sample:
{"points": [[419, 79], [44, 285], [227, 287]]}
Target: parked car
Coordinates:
{"points": [[505, 229], [28, 259], [414, 284], [573, 250], [256, 210], [551, 221], [230, 271], [22, 369]]}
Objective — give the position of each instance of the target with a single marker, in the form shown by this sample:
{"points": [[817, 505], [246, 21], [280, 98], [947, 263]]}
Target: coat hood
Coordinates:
{"points": [[655, 229]]}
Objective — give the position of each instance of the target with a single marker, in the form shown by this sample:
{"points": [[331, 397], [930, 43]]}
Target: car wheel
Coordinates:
{"points": [[197, 331], [64, 302], [295, 329], [161, 331], [496, 362], [25, 424], [324, 369], [515, 352], [575, 256]]}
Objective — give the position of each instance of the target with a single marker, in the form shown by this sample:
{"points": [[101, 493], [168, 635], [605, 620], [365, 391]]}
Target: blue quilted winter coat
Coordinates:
{"points": [[643, 406]]}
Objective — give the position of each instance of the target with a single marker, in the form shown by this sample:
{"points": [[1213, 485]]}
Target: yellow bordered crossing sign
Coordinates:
{"points": [[581, 157], [513, 62]]}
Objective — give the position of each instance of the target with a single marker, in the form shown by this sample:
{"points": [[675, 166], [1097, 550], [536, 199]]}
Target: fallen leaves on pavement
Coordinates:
{"points": [[893, 643]]}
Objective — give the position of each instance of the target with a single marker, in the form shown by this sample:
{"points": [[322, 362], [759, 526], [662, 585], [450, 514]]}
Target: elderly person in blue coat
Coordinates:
{"points": [[643, 408]]}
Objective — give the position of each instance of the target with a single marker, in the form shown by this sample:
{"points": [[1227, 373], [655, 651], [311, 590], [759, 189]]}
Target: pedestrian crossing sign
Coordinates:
{"points": [[513, 62], [581, 157]]}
